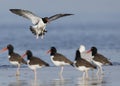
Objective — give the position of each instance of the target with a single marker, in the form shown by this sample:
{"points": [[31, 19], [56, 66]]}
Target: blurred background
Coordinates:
{"points": [[94, 23]]}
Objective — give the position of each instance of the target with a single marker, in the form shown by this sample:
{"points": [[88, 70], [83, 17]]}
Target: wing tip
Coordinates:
{"points": [[11, 10], [14, 10], [68, 14], [71, 14]]}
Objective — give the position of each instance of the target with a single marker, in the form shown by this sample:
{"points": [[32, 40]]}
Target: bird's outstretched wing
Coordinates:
{"points": [[54, 17], [27, 14]]}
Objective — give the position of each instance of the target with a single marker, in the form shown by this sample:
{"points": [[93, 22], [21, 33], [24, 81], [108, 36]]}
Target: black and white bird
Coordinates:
{"points": [[59, 59], [14, 58], [98, 59], [34, 62], [39, 23], [82, 64]]}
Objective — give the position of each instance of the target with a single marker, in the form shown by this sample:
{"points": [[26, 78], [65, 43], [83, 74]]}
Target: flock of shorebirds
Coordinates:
{"points": [[84, 59]]}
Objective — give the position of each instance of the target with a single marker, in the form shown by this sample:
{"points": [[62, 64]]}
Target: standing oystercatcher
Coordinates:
{"points": [[82, 65], [99, 59], [14, 58], [59, 59], [34, 62], [39, 23]]}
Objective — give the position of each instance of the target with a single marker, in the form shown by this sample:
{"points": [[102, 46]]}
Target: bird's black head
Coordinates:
{"points": [[53, 50], [10, 47], [28, 53], [45, 19], [94, 50]]}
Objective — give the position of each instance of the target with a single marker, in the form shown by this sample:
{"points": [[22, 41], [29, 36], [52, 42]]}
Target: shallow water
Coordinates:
{"points": [[49, 77]]}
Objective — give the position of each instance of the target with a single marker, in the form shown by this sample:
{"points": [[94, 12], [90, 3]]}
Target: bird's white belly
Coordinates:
{"points": [[41, 26], [39, 30], [58, 63], [82, 68], [14, 62], [33, 67], [97, 63]]}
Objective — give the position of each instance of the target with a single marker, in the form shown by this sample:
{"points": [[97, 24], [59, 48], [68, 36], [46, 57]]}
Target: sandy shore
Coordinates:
{"points": [[49, 77]]}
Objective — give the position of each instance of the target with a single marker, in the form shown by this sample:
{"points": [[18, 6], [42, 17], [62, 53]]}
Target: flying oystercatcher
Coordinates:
{"points": [[39, 23]]}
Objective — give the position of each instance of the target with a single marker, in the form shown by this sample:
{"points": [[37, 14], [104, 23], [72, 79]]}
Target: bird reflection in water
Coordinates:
{"points": [[18, 82], [97, 81]]}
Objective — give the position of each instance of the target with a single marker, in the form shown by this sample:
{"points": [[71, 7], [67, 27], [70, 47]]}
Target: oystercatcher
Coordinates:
{"points": [[82, 65], [59, 59], [39, 23], [14, 58], [34, 62], [99, 59]]}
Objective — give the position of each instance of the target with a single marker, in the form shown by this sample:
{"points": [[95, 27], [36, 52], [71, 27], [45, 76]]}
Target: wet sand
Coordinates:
{"points": [[48, 76]]}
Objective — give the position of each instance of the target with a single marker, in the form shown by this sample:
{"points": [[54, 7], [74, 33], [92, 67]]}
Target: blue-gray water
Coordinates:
{"points": [[66, 38]]}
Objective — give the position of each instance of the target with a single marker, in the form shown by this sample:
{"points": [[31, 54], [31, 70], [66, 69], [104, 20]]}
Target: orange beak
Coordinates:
{"points": [[4, 49], [88, 51], [23, 56], [48, 51]]}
